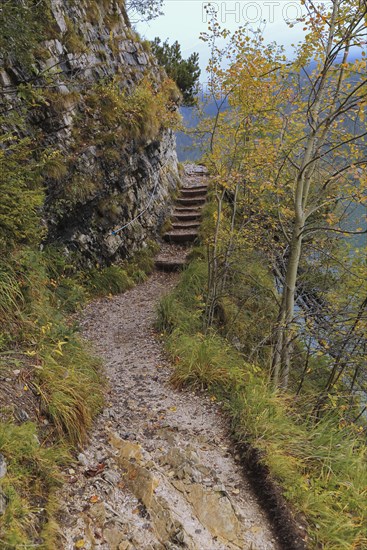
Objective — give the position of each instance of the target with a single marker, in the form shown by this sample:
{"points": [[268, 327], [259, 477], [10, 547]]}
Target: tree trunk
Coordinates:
{"points": [[284, 331]]}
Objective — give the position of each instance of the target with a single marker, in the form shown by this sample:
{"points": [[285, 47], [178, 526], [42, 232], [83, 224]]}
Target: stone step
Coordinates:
{"points": [[188, 209], [187, 192], [194, 201], [198, 186], [188, 216], [186, 224], [196, 170], [170, 264], [181, 236]]}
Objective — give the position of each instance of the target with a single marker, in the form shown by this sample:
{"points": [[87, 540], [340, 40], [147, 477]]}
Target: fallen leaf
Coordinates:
{"points": [[133, 474], [80, 543], [91, 472], [94, 499], [173, 409], [236, 491]]}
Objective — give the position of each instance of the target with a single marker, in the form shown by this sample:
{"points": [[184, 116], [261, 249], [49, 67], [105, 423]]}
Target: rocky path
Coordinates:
{"points": [[158, 472]]}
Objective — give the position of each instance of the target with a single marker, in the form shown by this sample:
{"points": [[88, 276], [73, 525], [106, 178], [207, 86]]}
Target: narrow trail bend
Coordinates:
{"points": [[165, 475]]}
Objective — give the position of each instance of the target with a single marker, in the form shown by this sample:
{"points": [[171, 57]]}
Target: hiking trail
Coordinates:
{"points": [[158, 472]]}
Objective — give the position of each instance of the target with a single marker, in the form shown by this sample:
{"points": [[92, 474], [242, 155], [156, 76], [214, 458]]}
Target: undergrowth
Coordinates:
{"points": [[321, 467], [120, 277], [59, 385]]}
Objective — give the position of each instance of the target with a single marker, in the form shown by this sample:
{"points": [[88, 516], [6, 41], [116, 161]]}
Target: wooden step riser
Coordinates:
{"points": [[195, 188], [187, 222], [189, 193], [187, 225], [169, 266], [199, 198], [180, 239], [191, 202], [188, 209], [186, 218]]}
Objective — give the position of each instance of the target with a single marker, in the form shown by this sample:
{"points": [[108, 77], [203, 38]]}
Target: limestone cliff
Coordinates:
{"points": [[100, 109]]}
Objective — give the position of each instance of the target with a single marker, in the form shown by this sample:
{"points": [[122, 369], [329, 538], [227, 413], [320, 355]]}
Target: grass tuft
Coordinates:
{"points": [[108, 280], [182, 309], [70, 389], [33, 473]]}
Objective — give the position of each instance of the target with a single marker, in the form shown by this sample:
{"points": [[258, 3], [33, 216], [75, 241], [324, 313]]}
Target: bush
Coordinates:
{"points": [[321, 468], [21, 193], [140, 116]]}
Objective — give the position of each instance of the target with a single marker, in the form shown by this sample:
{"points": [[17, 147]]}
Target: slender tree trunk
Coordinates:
{"points": [[284, 331], [212, 294], [305, 368], [289, 301], [229, 249]]}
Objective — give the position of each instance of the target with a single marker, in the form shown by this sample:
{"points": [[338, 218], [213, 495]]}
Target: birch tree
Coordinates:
{"points": [[330, 163]]}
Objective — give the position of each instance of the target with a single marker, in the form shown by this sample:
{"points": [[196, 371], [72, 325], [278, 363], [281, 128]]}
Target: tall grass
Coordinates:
{"points": [[33, 477], [70, 389], [66, 385], [321, 468], [109, 280], [38, 291]]}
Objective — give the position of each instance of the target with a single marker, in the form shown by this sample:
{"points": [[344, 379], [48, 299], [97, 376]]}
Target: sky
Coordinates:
{"points": [[184, 20]]}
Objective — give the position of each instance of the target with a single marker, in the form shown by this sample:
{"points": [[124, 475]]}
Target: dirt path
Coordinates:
{"points": [[169, 480]]}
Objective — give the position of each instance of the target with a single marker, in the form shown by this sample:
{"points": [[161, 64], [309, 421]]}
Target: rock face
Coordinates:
{"points": [[99, 178]]}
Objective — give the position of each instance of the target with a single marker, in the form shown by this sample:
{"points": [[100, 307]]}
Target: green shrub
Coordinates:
{"points": [[72, 39], [21, 193], [141, 116], [70, 295], [24, 26]]}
